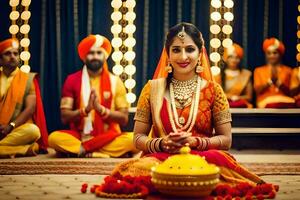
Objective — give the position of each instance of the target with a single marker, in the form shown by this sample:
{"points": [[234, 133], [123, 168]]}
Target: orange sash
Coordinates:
{"points": [[12, 102]]}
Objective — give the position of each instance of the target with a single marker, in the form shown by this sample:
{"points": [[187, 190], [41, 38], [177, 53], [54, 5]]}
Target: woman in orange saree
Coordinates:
{"points": [[235, 81], [181, 106]]}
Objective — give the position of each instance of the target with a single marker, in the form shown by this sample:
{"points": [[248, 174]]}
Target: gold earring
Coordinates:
{"points": [[199, 68], [169, 68]]}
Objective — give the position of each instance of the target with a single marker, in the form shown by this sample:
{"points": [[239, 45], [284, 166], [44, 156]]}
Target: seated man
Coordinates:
{"points": [[94, 105], [295, 85], [22, 122], [272, 81]]}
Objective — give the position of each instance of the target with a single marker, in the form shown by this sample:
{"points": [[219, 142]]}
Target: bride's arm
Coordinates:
{"points": [[222, 139], [141, 131], [153, 145]]}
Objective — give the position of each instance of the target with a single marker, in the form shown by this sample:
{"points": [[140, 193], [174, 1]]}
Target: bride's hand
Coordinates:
{"points": [[168, 145], [190, 141], [180, 135]]}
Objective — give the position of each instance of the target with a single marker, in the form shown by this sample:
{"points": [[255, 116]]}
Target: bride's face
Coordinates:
{"points": [[183, 55]]}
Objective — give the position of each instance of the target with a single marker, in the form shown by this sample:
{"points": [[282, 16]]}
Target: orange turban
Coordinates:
{"points": [[273, 44], [235, 48], [8, 43], [94, 41]]}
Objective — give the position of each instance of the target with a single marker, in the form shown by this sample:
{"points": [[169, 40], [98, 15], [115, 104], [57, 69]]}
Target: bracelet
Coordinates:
{"points": [[103, 109], [207, 144], [198, 139], [153, 145], [13, 124], [220, 141], [136, 139]]}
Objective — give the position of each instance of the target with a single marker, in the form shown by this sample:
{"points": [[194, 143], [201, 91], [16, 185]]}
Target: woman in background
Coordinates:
{"points": [[236, 81]]}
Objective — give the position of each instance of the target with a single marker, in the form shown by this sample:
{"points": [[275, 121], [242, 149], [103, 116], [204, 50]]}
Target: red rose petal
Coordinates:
{"points": [[260, 197], [83, 190], [272, 195]]}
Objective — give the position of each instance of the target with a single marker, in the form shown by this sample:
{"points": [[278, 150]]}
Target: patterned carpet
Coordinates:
{"points": [[261, 163], [105, 166], [46, 177]]}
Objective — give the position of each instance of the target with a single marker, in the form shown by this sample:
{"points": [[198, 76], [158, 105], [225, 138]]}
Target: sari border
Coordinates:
{"points": [[157, 90]]}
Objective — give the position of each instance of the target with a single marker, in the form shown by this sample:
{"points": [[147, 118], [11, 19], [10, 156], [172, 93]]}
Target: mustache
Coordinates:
{"points": [[95, 60]]}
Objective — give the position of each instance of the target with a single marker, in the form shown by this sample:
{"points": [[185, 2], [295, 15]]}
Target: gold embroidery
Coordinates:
{"points": [[142, 115], [222, 117], [66, 102]]}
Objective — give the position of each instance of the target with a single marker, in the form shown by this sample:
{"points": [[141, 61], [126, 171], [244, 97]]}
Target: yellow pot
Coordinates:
{"points": [[185, 175]]}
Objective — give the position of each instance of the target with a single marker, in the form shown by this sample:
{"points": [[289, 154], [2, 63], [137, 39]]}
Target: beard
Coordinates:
{"points": [[94, 65]]}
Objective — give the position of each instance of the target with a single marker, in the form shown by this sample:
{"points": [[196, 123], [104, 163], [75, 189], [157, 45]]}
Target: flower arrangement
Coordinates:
{"points": [[122, 187], [130, 187], [245, 191]]}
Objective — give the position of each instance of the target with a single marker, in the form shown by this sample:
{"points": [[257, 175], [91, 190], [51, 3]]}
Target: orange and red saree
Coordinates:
{"points": [[238, 88], [213, 110]]}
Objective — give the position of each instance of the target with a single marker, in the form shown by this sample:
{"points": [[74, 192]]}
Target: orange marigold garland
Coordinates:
{"points": [[121, 187]]}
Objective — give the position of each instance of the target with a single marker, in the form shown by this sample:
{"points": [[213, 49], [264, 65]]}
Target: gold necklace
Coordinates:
{"points": [[193, 110], [183, 90]]}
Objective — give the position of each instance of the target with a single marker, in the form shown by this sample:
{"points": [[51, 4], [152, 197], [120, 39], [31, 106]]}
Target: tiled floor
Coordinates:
{"points": [[68, 187]]}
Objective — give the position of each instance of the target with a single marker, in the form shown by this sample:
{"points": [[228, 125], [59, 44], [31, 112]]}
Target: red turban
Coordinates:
{"points": [[273, 44], [8, 43], [235, 48], [94, 41]]}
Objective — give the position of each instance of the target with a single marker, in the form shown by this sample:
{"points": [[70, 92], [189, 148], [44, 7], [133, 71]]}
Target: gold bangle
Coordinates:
{"points": [[103, 109], [13, 124], [220, 141]]}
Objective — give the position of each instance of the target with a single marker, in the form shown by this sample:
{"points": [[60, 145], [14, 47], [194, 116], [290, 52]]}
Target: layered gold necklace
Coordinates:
{"points": [[183, 91]]}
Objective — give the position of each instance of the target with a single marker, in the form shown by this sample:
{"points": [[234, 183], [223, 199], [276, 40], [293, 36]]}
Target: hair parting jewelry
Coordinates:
{"points": [[182, 34]]}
